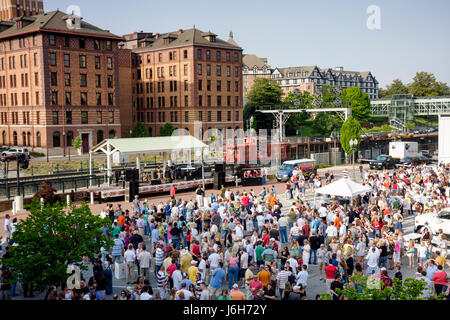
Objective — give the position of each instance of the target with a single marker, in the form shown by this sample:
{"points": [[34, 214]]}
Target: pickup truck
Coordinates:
{"points": [[383, 161]]}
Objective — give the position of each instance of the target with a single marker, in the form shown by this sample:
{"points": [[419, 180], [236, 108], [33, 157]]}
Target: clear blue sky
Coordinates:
{"points": [[414, 35]]}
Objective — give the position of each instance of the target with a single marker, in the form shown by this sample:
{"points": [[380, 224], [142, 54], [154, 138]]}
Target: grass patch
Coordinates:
{"points": [[383, 128]]}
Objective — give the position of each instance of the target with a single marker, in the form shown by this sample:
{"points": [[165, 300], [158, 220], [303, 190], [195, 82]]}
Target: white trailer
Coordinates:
{"points": [[444, 139], [403, 149]]}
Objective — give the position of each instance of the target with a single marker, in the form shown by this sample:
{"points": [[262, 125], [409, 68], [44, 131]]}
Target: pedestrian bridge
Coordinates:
{"points": [[402, 108]]}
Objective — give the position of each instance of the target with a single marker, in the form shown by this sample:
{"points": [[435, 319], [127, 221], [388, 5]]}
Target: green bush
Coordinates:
{"points": [[37, 154]]}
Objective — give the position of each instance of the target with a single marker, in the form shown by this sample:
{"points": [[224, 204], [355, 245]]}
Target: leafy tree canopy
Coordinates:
{"points": [[140, 131], [359, 103], [167, 130], [350, 130], [51, 237]]}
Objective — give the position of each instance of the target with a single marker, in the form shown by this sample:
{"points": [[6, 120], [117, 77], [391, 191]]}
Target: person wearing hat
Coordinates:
{"points": [[236, 294], [192, 271]]}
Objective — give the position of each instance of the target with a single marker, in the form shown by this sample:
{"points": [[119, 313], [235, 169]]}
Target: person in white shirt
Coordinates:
{"points": [[202, 268], [372, 260], [145, 295], [8, 228], [187, 294], [144, 258], [293, 262], [177, 277], [302, 276], [130, 257], [331, 232], [205, 294]]}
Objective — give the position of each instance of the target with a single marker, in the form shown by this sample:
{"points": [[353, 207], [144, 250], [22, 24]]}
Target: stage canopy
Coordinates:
{"points": [[344, 188]]}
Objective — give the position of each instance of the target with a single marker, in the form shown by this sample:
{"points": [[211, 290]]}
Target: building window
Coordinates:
{"points": [[99, 117], [199, 69], [111, 99], [54, 79], [111, 116], [98, 81], [99, 98], [55, 117], [52, 59], [208, 54], [237, 116], [52, 39], [66, 41], [68, 98], [208, 85], [200, 87], [96, 44], [84, 117], [83, 80], [68, 117], [112, 133], [110, 81], [200, 115], [69, 136], [209, 116], [219, 100], [160, 57], [186, 116], [83, 98], [219, 115], [236, 57], [109, 45], [219, 70], [185, 54], [208, 69], [83, 61], [99, 136], [82, 42], [199, 53], [109, 63], [208, 101], [200, 100], [218, 55], [56, 139], [219, 85], [97, 62], [67, 80], [54, 98], [228, 71]]}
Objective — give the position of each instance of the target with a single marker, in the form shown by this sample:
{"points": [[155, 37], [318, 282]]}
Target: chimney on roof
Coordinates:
{"points": [[231, 34], [157, 35], [180, 31]]}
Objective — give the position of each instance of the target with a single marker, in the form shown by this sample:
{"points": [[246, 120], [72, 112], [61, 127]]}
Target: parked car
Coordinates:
{"points": [[14, 150], [434, 222], [8, 158], [383, 161]]}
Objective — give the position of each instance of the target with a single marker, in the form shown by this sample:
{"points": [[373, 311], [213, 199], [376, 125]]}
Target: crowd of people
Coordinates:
{"points": [[243, 245]]}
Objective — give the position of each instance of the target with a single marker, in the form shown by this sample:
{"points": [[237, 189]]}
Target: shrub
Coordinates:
{"points": [[47, 192]]}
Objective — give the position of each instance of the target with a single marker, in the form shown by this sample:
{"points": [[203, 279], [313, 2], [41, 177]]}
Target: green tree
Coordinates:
{"points": [[350, 130], [140, 131], [51, 237], [396, 87], [358, 289], [297, 119], [325, 122], [77, 143], [359, 103], [425, 84], [264, 92], [167, 130]]}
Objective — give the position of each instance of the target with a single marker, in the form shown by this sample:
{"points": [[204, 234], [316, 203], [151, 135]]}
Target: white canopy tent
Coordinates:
{"points": [[151, 145], [344, 188]]}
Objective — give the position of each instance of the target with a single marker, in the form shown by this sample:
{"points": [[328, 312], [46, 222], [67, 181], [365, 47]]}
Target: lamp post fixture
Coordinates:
{"points": [[353, 145]]}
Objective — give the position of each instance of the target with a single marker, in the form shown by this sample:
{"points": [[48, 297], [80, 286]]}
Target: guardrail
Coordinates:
{"points": [[62, 185]]}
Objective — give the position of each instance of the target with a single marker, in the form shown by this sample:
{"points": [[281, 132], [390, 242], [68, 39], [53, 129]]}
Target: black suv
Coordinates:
{"points": [[383, 162]]}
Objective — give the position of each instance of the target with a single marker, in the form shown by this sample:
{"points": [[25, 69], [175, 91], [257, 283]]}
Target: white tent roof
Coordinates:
{"points": [[151, 144], [344, 188]]}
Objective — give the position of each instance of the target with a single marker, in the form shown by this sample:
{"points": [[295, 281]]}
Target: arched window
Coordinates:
{"points": [[15, 139], [4, 138], [99, 136], [69, 138], [29, 138], [24, 139], [56, 139], [112, 133], [38, 139], [186, 131]]}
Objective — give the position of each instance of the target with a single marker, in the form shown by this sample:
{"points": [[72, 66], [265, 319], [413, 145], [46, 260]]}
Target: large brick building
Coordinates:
{"points": [[9, 9], [183, 77], [58, 80], [254, 67]]}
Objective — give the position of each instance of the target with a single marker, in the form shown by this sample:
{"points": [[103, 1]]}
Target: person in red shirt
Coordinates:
{"points": [[255, 285], [440, 280], [172, 192], [330, 272], [305, 229]]}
